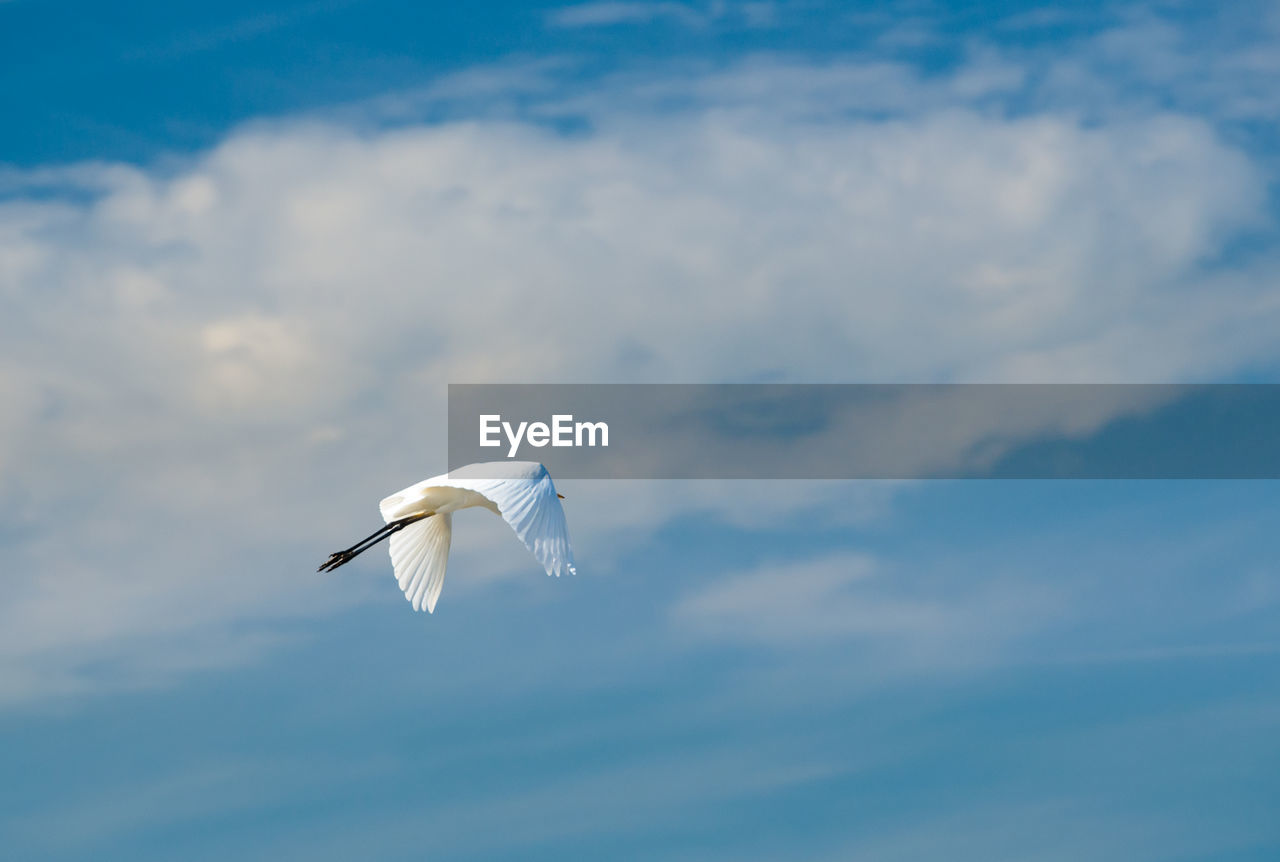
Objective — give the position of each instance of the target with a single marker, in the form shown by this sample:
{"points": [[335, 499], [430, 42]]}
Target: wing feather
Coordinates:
{"points": [[527, 500], [419, 555]]}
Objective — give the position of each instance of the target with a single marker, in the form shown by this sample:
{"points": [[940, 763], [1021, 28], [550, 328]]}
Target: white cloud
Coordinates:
{"points": [[212, 369], [1081, 596], [898, 618], [610, 14], [1044, 827], [605, 14]]}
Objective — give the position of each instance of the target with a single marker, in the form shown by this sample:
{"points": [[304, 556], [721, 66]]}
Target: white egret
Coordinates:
{"points": [[419, 521]]}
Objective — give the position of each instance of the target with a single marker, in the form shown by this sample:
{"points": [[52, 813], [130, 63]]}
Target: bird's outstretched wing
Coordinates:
{"points": [[419, 554], [527, 500]]}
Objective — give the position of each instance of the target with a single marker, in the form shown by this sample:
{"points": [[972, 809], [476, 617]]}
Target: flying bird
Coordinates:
{"points": [[419, 521]]}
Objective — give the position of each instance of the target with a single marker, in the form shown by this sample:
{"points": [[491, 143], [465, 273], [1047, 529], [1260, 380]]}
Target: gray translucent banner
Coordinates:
{"points": [[872, 431]]}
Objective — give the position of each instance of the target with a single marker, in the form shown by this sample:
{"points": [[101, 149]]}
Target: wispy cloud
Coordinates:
{"points": [[895, 617], [609, 13], [1026, 602], [239, 30], [1043, 830]]}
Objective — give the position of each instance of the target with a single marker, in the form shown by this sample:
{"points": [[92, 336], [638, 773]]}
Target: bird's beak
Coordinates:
{"points": [[561, 496]]}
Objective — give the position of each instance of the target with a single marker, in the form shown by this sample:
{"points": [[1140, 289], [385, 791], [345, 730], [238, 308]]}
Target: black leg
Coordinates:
{"points": [[339, 558]]}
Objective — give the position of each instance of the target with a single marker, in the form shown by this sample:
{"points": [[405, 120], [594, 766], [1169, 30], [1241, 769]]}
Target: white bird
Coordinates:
{"points": [[420, 523]]}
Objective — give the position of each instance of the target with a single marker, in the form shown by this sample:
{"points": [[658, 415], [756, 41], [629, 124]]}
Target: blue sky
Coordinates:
{"points": [[244, 248]]}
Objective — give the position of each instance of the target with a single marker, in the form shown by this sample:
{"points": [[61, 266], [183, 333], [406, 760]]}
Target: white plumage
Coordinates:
{"points": [[420, 523]]}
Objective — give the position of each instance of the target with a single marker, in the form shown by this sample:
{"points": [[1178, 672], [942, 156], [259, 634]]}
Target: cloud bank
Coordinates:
{"points": [[213, 366]]}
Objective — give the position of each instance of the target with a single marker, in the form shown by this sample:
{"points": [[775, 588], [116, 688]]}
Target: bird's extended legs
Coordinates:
{"points": [[339, 558]]}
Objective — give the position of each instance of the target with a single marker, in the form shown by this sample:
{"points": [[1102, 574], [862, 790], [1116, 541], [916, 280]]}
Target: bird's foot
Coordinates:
{"points": [[337, 558]]}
